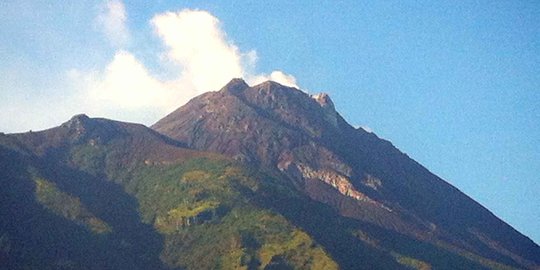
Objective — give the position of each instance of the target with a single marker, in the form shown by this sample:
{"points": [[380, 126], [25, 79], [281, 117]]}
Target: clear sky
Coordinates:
{"points": [[454, 85]]}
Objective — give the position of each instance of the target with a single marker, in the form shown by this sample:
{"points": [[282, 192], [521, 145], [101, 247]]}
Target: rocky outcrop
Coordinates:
{"points": [[337, 181], [330, 114], [372, 182]]}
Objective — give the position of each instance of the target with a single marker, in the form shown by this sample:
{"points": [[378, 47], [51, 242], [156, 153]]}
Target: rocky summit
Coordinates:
{"points": [[247, 177]]}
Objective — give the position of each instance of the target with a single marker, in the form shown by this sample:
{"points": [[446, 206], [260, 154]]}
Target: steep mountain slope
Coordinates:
{"points": [[302, 138], [101, 194]]}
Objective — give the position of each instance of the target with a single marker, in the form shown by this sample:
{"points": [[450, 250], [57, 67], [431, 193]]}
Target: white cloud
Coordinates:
{"points": [[127, 81], [283, 78], [197, 43], [112, 20], [276, 76], [126, 90], [198, 57]]}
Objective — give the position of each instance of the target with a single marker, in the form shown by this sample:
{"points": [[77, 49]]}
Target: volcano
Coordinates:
{"points": [[247, 177]]}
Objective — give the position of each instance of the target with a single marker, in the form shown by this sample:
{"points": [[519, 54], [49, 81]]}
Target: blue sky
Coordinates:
{"points": [[455, 86]]}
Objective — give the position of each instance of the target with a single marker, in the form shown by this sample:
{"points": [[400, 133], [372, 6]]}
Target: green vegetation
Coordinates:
{"points": [[205, 210], [245, 238], [184, 215], [411, 262], [160, 189], [89, 158], [299, 249], [67, 206], [473, 257]]}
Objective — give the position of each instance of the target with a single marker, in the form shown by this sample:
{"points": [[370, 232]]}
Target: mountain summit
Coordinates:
{"points": [[247, 177]]}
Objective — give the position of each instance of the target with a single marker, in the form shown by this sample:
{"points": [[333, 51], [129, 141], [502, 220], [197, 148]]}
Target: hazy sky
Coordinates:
{"points": [[455, 86]]}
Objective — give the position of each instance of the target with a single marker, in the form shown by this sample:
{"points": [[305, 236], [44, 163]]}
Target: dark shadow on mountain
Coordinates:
{"points": [[336, 234], [168, 140], [432, 199], [36, 238], [326, 228], [391, 241]]}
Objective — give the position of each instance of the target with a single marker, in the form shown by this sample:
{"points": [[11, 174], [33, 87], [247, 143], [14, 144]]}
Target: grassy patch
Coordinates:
{"points": [[204, 209], [411, 262], [67, 206]]}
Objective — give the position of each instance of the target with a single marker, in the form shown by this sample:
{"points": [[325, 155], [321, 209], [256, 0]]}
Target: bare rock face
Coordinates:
{"points": [[330, 114], [269, 124], [337, 181], [303, 138], [324, 100], [78, 122]]}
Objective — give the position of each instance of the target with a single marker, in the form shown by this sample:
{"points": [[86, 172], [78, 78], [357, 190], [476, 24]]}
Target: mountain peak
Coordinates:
{"points": [[81, 127], [270, 84], [235, 86], [77, 122], [293, 105]]}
